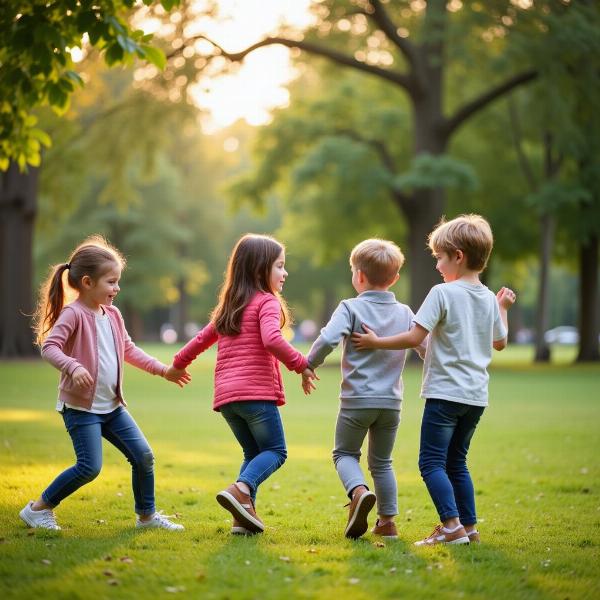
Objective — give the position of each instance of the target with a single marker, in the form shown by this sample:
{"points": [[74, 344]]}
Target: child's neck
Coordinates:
{"points": [[93, 306], [468, 276]]}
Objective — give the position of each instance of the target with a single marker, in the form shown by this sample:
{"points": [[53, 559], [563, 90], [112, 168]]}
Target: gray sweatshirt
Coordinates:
{"points": [[370, 378]]}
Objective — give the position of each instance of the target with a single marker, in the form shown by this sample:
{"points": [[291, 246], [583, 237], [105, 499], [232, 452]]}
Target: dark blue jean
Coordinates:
{"points": [[86, 431], [446, 432], [257, 427]]}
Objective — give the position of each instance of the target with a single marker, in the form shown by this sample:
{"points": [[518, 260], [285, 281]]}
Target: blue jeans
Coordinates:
{"points": [[257, 427], [86, 431], [446, 432]]}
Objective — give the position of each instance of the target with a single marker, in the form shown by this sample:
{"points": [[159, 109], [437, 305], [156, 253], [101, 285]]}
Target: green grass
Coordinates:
{"points": [[534, 460]]}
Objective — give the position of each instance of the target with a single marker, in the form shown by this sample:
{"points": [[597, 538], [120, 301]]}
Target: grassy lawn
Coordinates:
{"points": [[534, 460]]}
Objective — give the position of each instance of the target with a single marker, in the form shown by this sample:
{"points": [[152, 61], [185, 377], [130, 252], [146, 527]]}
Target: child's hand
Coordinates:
{"points": [[179, 376], [363, 341], [82, 378], [308, 375], [506, 298]]}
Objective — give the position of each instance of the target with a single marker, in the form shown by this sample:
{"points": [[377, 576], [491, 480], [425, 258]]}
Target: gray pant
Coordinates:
{"points": [[350, 431]]}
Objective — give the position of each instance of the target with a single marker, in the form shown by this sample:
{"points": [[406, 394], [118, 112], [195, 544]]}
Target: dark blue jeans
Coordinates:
{"points": [[86, 431], [446, 432], [257, 427]]}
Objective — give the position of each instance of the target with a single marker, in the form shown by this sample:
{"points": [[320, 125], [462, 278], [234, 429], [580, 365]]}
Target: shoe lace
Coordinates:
{"points": [[437, 531], [160, 516], [48, 519]]}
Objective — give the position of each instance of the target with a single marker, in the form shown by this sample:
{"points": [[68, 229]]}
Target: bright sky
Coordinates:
{"points": [[257, 86]]}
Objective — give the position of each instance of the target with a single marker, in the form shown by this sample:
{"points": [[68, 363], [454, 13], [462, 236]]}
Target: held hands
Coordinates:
{"points": [[179, 376], [308, 375], [82, 378], [363, 341], [506, 298]]}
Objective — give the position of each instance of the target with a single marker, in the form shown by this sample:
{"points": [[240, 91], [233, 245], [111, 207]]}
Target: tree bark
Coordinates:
{"points": [[542, 349], [18, 207], [589, 323]]}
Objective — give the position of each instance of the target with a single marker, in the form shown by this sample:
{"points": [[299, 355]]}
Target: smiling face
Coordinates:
{"points": [[278, 273], [102, 291], [449, 265]]}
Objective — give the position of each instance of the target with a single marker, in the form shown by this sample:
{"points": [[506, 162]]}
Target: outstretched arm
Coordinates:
{"points": [[506, 298], [401, 341]]}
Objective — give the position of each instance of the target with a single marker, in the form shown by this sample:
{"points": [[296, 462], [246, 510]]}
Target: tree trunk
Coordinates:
{"points": [[589, 325], [18, 207], [542, 349]]}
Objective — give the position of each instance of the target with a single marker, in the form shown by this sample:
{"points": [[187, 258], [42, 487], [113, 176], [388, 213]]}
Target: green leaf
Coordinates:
{"points": [[155, 56], [41, 136], [114, 54]]}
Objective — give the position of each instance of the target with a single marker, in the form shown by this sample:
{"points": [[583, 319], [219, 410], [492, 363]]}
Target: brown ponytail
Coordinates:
{"points": [[93, 257]]}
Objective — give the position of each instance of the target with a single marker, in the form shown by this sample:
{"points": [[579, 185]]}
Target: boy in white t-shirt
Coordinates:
{"points": [[464, 320]]}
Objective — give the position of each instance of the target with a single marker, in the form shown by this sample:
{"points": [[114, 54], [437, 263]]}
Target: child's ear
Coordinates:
{"points": [[86, 282], [460, 255]]}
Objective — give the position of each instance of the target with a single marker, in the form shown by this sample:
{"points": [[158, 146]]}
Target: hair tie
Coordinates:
{"points": [[67, 265]]}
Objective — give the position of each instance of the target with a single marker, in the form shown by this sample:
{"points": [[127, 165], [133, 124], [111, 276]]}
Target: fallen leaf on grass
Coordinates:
{"points": [[113, 582], [45, 561], [108, 557], [379, 545], [126, 559], [108, 573], [393, 570], [353, 580], [312, 550], [284, 558], [174, 589], [100, 521]]}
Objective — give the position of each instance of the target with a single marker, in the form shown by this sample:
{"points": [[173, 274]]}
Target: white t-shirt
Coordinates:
{"points": [[105, 398], [463, 320]]}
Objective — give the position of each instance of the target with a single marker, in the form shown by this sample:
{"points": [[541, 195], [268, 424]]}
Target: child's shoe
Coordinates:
{"points": [[361, 504], [238, 529], [159, 521], [241, 507], [385, 530], [474, 537], [43, 519], [441, 535]]}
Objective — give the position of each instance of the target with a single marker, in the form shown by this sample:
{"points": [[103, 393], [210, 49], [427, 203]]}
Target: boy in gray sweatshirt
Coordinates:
{"points": [[371, 389]]}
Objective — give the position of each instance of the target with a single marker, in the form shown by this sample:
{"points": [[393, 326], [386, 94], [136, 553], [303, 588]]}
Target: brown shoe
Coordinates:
{"points": [[361, 504], [385, 530], [474, 537], [441, 536], [241, 507], [238, 529]]}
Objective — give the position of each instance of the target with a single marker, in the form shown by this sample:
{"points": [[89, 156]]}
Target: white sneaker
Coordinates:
{"points": [[159, 521], [43, 519]]}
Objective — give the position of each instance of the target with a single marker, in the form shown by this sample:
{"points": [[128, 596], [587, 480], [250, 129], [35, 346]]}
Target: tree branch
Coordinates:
{"points": [[400, 79], [385, 23], [470, 108]]}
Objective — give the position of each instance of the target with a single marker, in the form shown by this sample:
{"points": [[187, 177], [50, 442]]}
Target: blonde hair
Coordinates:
{"points": [[471, 234], [379, 260], [93, 257]]}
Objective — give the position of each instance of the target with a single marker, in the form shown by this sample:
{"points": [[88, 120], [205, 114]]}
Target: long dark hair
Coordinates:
{"points": [[248, 271], [93, 257]]}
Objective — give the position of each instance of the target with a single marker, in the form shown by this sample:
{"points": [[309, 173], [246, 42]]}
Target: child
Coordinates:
{"points": [[246, 324], [87, 342], [371, 389], [464, 321]]}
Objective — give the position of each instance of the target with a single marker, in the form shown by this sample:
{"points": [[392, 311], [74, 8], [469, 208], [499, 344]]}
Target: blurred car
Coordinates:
{"points": [[565, 334]]}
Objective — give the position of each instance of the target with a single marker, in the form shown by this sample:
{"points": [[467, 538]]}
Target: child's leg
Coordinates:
{"points": [[85, 430], [122, 431], [257, 426], [350, 431], [382, 435], [437, 428], [456, 466]]}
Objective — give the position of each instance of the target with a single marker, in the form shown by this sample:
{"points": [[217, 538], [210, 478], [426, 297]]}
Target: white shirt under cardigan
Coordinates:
{"points": [[463, 320], [105, 398]]}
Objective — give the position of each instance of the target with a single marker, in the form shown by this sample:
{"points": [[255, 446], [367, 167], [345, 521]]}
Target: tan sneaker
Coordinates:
{"points": [[440, 535], [241, 507], [238, 529], [385, 530], [361, 504], [474, 537]]}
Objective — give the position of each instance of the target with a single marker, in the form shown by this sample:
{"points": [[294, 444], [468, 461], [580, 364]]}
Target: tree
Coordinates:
{"points": [[36, 69], [411, 47]]}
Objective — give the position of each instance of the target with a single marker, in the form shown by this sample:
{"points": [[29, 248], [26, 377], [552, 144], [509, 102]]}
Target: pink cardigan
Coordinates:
{"points": [[73, 343], [248, 363]]}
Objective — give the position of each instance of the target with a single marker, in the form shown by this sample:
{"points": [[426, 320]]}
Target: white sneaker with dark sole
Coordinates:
{"points": [[159, 521], [42, 519]]}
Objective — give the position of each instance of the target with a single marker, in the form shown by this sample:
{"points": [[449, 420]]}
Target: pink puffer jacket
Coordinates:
{"points": [[248, 364]]}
